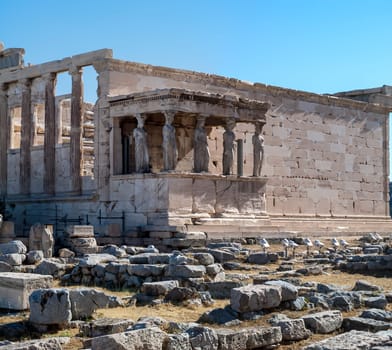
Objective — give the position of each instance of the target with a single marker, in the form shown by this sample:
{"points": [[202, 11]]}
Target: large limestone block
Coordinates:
{"points": [[7, 231], [324, 322], [81, 246], [77, 231], [90, 260], [251, 197], [377, 314], [204, 196], [222, 289], [158, 288], [232, 339], [50, 307], [13, 247], [84, 301], [16, 287], [226, 197], [294, 330], [180, 195], [203, 338], [41, 238], [14, 259], [255, 298], [178, 341], [104, 326], [185, 271], [353, 340], [364, 324], [139, 339], [289, 291], [39, 344], [248, 338], [151, 195], [261, 337], [145, 270]]}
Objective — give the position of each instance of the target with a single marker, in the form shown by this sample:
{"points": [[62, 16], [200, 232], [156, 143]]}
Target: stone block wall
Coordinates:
{"points": [[325, 161], [174, 199], [324, 156]]}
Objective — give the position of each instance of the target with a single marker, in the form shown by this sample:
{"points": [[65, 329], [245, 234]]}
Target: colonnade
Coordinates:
{"points": [[51, 135], [201, 153]]}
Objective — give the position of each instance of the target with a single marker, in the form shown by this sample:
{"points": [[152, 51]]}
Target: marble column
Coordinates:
{"points": [[228, 148], [201, 153], [59, 121], [50, 135], [4, 130], [169, 145], [76, 129], [142, 159], [25, 138], [116, 148]]}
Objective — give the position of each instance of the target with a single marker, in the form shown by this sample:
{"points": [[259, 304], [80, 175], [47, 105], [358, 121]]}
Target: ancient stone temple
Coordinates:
{"points": [[164, 149]]}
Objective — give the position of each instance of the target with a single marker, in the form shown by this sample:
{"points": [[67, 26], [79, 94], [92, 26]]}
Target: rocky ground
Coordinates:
{"points": [[227, 295]]}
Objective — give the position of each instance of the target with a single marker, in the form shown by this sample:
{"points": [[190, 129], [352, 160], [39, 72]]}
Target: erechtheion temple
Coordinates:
{"points": [[163, 148]]}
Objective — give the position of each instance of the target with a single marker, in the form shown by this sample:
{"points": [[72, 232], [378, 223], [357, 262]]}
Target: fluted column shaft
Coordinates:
{"points": [[76, 129], [4, 130], [50, 135], [25, 139]]}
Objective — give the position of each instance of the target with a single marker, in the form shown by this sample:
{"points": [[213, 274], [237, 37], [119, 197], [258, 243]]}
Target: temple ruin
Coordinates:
{"points": [[164, 150]]}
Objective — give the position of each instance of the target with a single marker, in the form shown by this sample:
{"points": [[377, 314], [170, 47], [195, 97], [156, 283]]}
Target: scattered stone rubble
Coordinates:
{"points": [[192, 277]]}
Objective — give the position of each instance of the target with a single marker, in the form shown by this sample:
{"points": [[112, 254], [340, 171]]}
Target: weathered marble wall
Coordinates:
{"points": [[174, 199], [324, 156]]}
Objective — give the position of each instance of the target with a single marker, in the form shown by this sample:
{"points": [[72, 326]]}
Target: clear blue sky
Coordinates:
{"points": [[323, 46]]}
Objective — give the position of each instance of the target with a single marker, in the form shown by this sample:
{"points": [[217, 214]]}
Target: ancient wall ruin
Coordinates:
{"points": [[326, 157]]}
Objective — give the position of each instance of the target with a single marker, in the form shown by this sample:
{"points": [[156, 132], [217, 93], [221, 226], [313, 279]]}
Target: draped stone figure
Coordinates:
{"points": [[200, 147], [169, 144], [258, 151], [228, 148], [142, 159]]}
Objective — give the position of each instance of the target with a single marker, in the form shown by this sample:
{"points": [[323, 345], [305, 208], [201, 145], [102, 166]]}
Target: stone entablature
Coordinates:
{"points": [[63, 65], [187, 101], [31, 116], [216, 83]]}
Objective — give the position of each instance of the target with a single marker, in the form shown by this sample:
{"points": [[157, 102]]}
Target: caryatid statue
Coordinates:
{"points": [[142, 159], [200, 147], [258, 150], [228, 147], [169, 144]]}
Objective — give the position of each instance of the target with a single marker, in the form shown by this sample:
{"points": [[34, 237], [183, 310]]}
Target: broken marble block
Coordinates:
{"points": [[255, 298], [50, 307], [15, 288]]}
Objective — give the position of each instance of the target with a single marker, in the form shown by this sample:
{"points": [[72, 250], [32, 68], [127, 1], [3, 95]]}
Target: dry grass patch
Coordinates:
{"points": [[167, 311], [347, 280]]}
